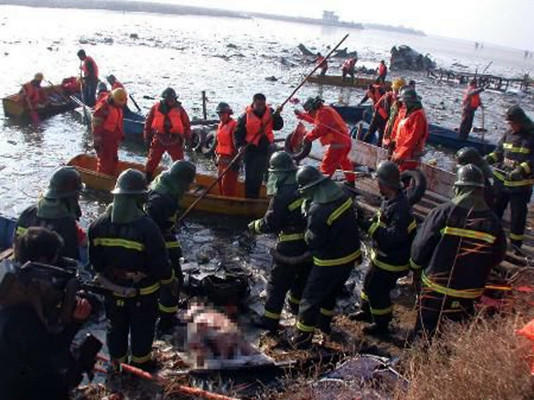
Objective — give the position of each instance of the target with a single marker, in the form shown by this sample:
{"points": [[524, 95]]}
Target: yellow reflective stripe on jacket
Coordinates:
{"points": [[464, 294], [412, 226], [467, 233], [525, 167], [337, 261], [327, 313], [338, 211], [141, 359], [515, 236], [168, 310], [20, 231], [522, 182], [271, 315], [386, 266], [290, 237], [174, 244], [515, 149], [292, 299], [116, 242], [493, 156], [257, 225], [413, 265], [296, 204], [304, 328], [364, 296], [381, 311], [167, 281], [143, 291]]}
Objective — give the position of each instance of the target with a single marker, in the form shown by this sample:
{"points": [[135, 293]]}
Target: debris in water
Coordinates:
{"points": [[134, 36], [271, 78]]}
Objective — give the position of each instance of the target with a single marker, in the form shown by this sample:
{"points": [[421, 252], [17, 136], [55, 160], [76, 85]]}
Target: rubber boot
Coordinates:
{"points": [[302, 340], [268, 324], [376, 329], [166, 325], [149, 366]]}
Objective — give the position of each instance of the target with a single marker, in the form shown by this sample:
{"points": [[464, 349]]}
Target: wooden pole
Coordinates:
{"points": [[204, 110]]}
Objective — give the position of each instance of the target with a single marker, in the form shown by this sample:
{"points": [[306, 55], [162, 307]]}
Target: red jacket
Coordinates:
{"points": [[329, 127], [225, 139], [411, 135], [382, 69], [86, 69], [108, 121], [177, 116], [383, 105], [471, 98]]}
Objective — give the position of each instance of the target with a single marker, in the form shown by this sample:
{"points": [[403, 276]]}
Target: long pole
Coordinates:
{"points": [[84, 117], [312, 72], [204, 110], [215, 182], [135, 102]]}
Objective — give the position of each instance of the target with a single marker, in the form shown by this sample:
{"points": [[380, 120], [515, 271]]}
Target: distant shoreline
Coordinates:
{"points": [[176, 9]]}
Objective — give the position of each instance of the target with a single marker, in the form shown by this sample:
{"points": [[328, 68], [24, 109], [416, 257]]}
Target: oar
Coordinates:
{"points": [[215, 182], [84, 118], [312, 72], [135, 102]]}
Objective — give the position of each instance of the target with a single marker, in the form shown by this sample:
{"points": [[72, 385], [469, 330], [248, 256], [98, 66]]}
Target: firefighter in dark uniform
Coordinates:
{"points": [[391, 230], [162, 206], [455, 248], [291, 260], [470, 155], [333, 239], [513, 162], [58, 210], [127, 247]]}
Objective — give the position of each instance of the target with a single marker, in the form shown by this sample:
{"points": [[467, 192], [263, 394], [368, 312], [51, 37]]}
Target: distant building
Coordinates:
{"points": [[330, 17]]}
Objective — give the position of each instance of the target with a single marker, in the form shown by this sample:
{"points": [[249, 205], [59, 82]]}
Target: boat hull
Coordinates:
{"points": [[335, 80]]}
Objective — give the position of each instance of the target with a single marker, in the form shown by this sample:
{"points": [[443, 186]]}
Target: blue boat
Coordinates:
{"points": [[439, 136], [7, 234]]}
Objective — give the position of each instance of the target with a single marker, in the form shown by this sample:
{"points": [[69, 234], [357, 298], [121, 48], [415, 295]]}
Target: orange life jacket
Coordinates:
{"points": [[34, 94], [225, 138], [349, 64], [321, 61], [102, 96], [328, 120], [175, 117], [85, 68], [256, 127], [472, 100], [411, 135], [114, 119], [383, 105]]}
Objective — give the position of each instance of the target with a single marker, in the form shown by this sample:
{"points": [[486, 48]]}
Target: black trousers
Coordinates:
{"points": [[518, 199], [376, 294], [133, 317], [255, 168], [432, 303], [319, 297], [168, 303], [89, 92], [377, 124], [466, 124], [285, 278]]}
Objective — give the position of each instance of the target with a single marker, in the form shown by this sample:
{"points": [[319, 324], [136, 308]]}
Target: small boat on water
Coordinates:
{"points": [[337, 80], [439, 135], [213, 202], [59, 101]]}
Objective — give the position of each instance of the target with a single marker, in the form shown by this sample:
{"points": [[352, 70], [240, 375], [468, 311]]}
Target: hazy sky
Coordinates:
{"points": [[505, 22]]}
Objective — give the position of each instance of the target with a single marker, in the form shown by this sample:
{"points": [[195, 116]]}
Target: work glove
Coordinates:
{"points": [[252, 227], [516, 174], [489, 159]]}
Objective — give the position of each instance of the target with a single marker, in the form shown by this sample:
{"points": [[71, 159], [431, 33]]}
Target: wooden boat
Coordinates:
{"points": [[439, 135], [214, 202], [16, 107], [360, 82]]}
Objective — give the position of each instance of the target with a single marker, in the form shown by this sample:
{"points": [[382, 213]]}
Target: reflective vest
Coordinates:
{"points": [[102, 96], [411, 135], [349, 64], [85, 68], [374, 94], [113, 121], [225, 138], [174, 116], [383, 105], [258, 127], [473, 101]]}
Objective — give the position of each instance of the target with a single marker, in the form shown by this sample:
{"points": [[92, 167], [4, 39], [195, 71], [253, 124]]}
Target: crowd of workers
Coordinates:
{"points": [[319, 224]]}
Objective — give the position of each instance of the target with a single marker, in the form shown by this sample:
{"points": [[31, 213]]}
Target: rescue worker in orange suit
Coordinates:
{"points": [[470, 104], [394, 111], [58, 210], [374, 93], [112, 80], [167, 129], [101, 93], [322, 62], [127, 248], [455, 249], [382, 71], [331, 131], [513, 166], [332, 236], [89, 78], [107, 126], [33, 91], [348, 68], [291, 260], [380, 116], [164, 197], [411, 132], [225, 150], [391, 230], [255, 130]]}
